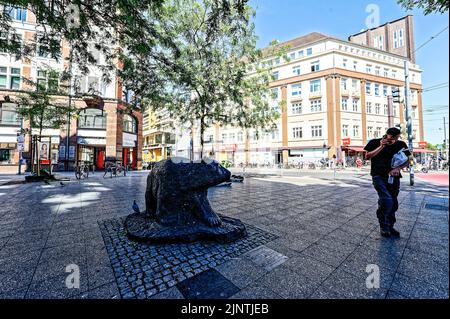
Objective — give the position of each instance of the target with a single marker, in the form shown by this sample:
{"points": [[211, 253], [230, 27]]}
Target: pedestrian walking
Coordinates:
{"points": [[385, 177]]}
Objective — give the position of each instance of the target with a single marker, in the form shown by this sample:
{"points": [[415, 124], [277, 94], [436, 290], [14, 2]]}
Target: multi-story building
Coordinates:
{"points": [[104, 130], [327, 91], [159, 136]]}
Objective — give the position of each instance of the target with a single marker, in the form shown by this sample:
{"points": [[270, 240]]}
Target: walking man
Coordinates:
{"points": [[380, 151]]}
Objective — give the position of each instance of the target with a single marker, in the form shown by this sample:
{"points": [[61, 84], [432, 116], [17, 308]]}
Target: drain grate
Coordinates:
{"points": [[436, 207]]}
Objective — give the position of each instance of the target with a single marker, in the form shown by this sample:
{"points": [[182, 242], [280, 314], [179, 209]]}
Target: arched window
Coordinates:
{"points": [[129, 124], [8, 114], [92, 118]]}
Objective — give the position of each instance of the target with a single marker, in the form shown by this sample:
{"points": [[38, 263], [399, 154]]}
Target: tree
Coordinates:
{"points": [[44, 107], [85, 24], [428, 6], [203, 76]]}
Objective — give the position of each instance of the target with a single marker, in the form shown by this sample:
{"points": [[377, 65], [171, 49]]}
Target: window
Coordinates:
{"points": [[394, 74], [296, 70], [47, 80], [15, 78], [314, 86], [355, 85], [395, 110], [275, 135], [370, 132], [210, 138], [395, 40], [355, 65], [316, 131], [3, 77], [377, 89], [380, 42], [93, 118], [292, 56], [224, 137], [355, 105], [368, 107], [344, 84], [413, 113], [18, 14], [277, 61], [377, 132], [255, 135], [385, 109], [296, 108], [355, 130], [315, 66], [309, 51], [385, 73], [274, 94], [296, 90], [368, 88], [400, 38], [377, 108], [368, 68], [8, 114], [300, 53], [240, 137], [344, 63], [385, 90], [232, 136], [377, 70], [297, 132], [344, 104], [344, 130], [316, 105], [275, 75]]}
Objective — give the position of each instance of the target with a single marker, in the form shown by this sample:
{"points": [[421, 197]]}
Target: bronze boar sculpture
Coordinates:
{"points": [[177, 206]]}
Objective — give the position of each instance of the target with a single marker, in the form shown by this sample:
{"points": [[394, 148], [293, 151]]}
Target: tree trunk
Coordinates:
{"points": [[202, 131]]}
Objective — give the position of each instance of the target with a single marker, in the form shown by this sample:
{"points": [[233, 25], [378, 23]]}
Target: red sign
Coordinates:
{"points": [[346, 141], [423, 144]]}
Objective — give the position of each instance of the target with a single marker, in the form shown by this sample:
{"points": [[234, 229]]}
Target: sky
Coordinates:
{"points": [[287, 19]]}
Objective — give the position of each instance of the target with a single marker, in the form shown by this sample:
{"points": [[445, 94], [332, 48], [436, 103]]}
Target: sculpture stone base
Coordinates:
{"points": [[139, 227]]}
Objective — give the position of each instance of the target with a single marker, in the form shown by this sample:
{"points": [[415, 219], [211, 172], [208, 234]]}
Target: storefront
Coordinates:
{"points": [[129, 141]]}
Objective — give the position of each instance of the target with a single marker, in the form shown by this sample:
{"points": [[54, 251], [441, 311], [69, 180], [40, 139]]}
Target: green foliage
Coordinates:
{"points": [[45, 107], [428, 6], [201, 76]]}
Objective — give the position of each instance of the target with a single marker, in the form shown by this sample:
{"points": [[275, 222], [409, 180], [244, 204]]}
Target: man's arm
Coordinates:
{"points": [[396, 171], [375, 152]]}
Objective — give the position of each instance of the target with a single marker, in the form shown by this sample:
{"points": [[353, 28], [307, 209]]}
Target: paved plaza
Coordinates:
{"points": [[309, 236]]}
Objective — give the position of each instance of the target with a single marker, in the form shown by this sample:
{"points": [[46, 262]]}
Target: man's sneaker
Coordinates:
{"points": [[394, 232], [384, 231]]}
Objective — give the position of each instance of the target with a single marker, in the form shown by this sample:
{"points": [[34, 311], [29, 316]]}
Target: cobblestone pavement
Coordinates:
{"points": [[309, 238]]}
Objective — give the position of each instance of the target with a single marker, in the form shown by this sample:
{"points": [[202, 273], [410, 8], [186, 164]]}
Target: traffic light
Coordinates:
{"points": [[396, 95]]}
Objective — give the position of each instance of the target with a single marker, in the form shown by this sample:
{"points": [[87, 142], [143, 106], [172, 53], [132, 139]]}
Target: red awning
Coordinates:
{"points": [[421, 150]]}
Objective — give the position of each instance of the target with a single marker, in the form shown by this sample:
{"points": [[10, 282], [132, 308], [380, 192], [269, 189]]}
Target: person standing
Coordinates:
{"points": [[380, 151]]}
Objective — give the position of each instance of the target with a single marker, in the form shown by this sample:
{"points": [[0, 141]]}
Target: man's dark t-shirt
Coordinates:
{"points": [[381, 163]]}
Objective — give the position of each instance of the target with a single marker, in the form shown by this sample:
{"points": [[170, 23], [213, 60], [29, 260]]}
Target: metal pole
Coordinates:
{"points": [[390, 111], [70, 105], [409, 122], [445, 141], [20, 151]]}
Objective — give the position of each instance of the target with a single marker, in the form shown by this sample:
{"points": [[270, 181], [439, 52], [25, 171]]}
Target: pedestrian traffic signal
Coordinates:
{"points": [[395, 95]]}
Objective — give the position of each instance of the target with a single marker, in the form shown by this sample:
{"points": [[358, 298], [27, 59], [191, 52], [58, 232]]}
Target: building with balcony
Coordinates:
{"points": [[158, 135], [334, 90], [105, 129]]}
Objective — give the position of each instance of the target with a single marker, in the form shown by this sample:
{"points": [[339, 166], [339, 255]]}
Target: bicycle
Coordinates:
{"points": [[115, 169], [82, 171]]}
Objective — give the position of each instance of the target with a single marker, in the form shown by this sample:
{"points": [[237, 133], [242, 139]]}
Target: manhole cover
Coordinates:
{"points": [[436, 207]]}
